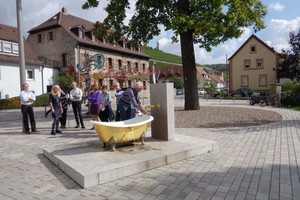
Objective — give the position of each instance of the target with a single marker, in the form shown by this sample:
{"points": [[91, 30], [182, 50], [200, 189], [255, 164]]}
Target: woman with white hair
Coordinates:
{"points": [[129, 99]]}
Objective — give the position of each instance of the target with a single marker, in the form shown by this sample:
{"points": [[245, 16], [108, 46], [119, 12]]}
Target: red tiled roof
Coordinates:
{"points": [[215, 78], [67, 21], [9, 33]]}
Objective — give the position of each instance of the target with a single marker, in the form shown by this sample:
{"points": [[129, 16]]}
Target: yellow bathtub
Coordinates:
{"points": [[112, 133]]}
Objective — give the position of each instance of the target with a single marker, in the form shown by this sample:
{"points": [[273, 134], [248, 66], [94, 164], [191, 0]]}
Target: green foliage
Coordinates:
{"points": [[161, 56], [292, 94], [64, 80], [289, 61], [14, 102], [178, 82], [221, 94]]}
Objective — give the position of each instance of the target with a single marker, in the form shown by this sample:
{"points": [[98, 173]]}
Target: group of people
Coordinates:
{"points": [[127, 101]]}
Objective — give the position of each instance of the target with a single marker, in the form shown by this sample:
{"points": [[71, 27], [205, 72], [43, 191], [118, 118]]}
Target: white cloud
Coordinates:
{"points": [[276, 34], [276, 6]]}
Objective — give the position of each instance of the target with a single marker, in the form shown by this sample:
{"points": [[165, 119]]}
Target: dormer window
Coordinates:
{"points": [[90, 35], [80, 33], [252, 49]]}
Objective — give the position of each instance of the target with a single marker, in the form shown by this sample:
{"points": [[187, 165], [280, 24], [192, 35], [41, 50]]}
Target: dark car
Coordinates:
{"points": [[244, 92]]}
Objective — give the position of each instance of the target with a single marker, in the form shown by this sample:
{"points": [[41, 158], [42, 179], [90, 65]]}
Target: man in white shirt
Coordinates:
{"points": [[76, 98], [27, 98]]}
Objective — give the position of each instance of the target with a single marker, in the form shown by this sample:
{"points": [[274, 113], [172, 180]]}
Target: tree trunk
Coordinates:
{"points": [[189, 71], [188, 61]]}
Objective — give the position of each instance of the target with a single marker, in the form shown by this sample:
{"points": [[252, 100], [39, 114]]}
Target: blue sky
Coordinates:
{"points": [[283, 17]]}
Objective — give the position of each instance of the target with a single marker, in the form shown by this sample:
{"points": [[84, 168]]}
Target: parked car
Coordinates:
{"points": [[201, 92], [179, 92], [244, 92]]}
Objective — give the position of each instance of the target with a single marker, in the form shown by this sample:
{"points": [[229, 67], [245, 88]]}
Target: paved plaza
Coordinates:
{"points": [[253, 162]]}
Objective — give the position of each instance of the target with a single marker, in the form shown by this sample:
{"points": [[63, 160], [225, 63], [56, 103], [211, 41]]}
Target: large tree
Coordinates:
{"points": [[203, 22], [289, 62]]}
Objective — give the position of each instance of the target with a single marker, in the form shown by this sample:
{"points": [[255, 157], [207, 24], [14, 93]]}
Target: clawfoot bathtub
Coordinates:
{"points": [[112, 133]]}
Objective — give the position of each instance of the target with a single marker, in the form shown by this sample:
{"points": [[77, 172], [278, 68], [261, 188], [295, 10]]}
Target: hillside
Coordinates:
{"points": [[163, 59]]}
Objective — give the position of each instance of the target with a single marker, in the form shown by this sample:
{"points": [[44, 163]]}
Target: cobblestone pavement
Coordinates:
{"points": [[254, 162]]}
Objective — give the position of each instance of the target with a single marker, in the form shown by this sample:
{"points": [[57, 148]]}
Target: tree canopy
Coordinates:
{"points": [[289, 62], [203, 22]]}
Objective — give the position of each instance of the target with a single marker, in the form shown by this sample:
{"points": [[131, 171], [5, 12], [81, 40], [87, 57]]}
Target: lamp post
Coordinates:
{"points": [[21, 48], [42, 74], [21, 43]]}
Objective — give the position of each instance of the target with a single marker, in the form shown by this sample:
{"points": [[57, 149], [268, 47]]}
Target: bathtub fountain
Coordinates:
{"points": [[112, 133]]}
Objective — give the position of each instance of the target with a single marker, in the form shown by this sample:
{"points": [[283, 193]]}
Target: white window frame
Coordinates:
{"points": [[7, 45], [27, 74], [0, 45], [261, 62], [244, 81], [15, 48], [247, 62], [263, 80], [251, 47]]}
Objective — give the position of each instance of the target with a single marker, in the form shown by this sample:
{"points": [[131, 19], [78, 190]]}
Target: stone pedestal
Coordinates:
{"points": [[163, 125]]}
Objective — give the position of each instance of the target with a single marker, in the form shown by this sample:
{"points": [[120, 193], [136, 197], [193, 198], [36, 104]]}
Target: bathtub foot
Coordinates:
{"points": [[112, 142], [142, 138]]}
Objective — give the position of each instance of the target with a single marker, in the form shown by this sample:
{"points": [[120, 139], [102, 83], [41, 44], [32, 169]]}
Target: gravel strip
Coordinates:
{"points": [[215, 116]]}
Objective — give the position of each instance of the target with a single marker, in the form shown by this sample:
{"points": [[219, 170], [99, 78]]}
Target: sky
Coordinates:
{"points": [[282, 18]]}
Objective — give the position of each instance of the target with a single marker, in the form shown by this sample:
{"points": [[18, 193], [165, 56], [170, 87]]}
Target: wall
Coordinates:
{"points": [[10, 79], [269, 64]]}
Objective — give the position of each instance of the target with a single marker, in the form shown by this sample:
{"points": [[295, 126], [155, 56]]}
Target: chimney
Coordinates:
{"points": [[64, 11]]}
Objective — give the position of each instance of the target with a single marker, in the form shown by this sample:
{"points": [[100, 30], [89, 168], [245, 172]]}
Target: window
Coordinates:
{"points": [[263, 80], [110, 63], [136, 66], [247, 64], [50, 35], [252, 49], [120, 64], [30, 74], [39, 38], [244, 81], [64, 59], [0, 45], [144, 67], [80, 33], [15, 48], [128, 65], [7, 47], [259, 63]]}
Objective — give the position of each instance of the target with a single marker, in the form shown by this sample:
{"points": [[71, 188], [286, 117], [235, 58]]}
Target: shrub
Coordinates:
{"points": [[14, 102], [292, 94]]}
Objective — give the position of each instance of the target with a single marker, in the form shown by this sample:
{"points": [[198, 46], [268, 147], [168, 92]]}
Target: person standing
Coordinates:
{"points": [[26, 99], [56, 108], [105, 100], [130, 99], [94, 100], [64, 99], [118, 95], [76, 98]]}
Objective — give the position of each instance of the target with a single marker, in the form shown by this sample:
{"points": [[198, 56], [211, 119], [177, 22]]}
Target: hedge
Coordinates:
{"points": [[14, 103]]}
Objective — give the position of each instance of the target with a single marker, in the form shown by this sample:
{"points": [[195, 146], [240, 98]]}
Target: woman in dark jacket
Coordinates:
{"points": [[56, 108]]}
